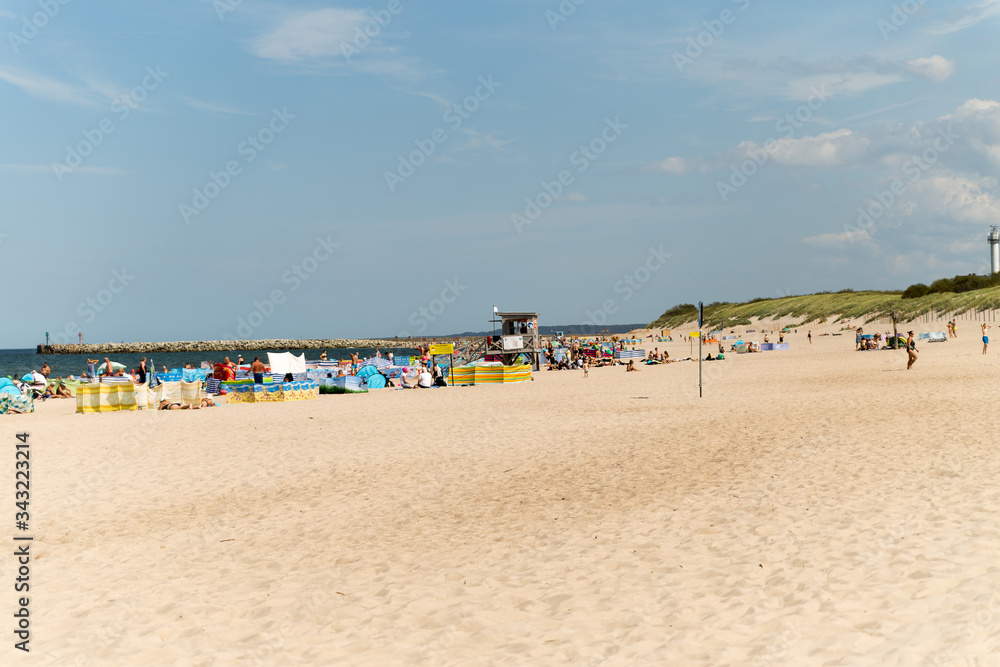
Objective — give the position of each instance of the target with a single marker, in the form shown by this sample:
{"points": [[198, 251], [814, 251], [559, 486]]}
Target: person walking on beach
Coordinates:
{"points": [[986, 338], [810, 337], [911, 350], [257, 368]]}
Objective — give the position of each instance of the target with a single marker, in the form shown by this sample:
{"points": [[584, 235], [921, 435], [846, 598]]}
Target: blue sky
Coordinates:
{"points": [[203, 169]]}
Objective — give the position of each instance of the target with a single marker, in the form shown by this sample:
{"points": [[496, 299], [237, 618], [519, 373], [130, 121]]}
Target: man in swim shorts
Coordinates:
{"points": [[257, 368], [986, 338]]}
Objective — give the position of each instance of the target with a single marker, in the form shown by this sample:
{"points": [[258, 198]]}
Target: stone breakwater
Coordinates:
{"points": [[273, 345]]}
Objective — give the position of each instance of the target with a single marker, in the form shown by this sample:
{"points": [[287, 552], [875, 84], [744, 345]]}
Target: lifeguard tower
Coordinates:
{"points": [[519, 336], [518, 342]]}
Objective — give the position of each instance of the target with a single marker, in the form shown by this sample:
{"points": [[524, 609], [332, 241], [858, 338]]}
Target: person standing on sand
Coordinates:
{"points": [[986, 338], [810, 337], [257, 368], [911, 350]]}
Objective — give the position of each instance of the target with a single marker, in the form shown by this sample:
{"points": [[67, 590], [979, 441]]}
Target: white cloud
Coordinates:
{"points": [[7, 14], [958, 197], [935, 68], [823, 150], [311, 34], [672, 165]]}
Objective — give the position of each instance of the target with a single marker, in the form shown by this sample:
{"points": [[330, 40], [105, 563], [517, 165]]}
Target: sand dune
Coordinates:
{"points": [[817, 506]]}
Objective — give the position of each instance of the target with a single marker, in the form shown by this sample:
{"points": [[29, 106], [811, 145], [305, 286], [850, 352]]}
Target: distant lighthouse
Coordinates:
{"points": [[994, 239]]}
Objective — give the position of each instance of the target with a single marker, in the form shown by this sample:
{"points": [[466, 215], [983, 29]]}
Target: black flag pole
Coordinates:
{"points": [[701, 323]]}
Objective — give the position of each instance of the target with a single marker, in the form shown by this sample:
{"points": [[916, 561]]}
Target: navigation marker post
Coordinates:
{"points": [[701, 336]]}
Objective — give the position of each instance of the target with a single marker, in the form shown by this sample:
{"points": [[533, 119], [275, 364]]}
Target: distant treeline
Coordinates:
{"points": [[956, 285]]}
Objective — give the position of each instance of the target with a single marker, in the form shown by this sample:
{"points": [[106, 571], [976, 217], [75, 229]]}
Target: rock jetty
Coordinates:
{"points": [[274, 344]]}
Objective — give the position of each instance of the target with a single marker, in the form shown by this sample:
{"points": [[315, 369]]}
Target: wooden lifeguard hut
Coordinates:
{"points": [[519, 336]]}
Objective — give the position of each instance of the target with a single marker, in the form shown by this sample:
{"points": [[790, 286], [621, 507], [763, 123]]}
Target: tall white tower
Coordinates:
{"points": [[994, 239]]}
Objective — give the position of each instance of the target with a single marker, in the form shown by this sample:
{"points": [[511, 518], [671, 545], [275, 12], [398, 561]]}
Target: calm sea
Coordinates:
{"points": [[19, 362]]}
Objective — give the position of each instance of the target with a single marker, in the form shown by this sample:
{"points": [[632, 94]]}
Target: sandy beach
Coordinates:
{"points": [[816, 507]]}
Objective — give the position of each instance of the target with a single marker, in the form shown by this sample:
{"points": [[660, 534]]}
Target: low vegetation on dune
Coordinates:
{"points": [[843, 305]]}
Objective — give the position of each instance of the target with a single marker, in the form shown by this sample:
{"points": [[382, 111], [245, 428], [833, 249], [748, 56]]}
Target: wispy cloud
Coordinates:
{"points": [[475, 140], [970, 16], [337, 38], [212, 107], [46, 88], [7, 14], [311, 34], [839, 238], [47, 169]]}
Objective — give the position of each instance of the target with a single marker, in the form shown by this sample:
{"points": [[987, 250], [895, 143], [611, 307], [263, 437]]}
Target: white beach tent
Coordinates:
{"points": [[286, 362]]}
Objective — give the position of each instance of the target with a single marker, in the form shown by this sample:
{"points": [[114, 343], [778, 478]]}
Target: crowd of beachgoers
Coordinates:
{"points": [[420, 371], [410, 372]]}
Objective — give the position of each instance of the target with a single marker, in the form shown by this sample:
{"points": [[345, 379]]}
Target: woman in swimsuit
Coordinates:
{"points": [[911, 350]]}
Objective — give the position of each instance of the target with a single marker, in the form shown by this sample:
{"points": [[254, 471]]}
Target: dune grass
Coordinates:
{"points": [[827, 307]]}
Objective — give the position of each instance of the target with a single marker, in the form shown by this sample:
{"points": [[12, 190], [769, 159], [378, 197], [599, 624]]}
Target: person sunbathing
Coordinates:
{"points": [[63, 391], [631, 366], [171, 405]]}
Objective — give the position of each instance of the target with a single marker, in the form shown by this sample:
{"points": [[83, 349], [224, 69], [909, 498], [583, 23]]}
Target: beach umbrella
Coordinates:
{"points": [[115, 366]]}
